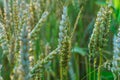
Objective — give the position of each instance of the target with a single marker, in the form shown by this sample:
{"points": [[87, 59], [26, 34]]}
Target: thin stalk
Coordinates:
{"points": [[43, 17], [89, 68], [61, 77], [76, 22], [94, 69], [99, 69], [86, 66], [118, 77], [77, 67]]}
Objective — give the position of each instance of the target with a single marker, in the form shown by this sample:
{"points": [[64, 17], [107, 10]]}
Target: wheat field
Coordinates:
{"points": [[59, 39]]}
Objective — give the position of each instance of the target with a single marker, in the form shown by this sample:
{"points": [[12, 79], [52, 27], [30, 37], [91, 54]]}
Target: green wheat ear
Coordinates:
{"points": [[64, 58], [99, 36], [24, 56], [4, 43], [39, 67], [64, 45], [116, 56]]}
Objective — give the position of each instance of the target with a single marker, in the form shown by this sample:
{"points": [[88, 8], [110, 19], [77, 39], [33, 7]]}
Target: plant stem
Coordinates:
{"points": [[100, 63], [89, 68], [86, 66], [94, 69]]}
